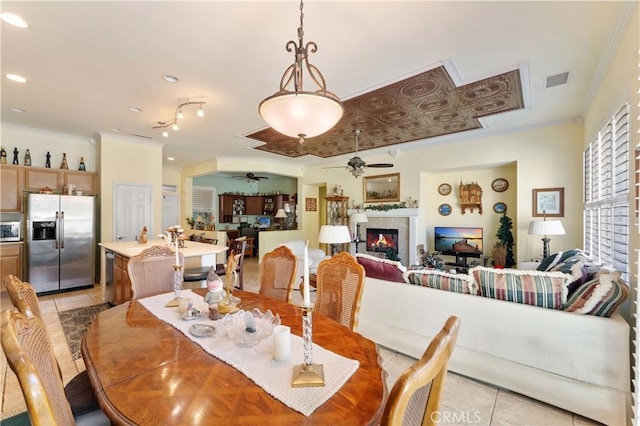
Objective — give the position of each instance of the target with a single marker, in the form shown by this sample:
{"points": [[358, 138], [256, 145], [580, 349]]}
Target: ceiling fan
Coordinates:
{"points": [[250, 177], [356, 165]]}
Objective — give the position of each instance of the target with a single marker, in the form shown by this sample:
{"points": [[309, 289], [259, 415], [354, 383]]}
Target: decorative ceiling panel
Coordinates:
{"points": [[420, 107]]}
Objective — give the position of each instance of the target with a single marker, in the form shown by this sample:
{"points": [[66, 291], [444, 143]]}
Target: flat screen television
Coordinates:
{"points": [[265, 222], [458, 241]]}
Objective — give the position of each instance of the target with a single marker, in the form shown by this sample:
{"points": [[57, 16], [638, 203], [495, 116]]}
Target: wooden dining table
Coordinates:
{"points": [[144, 371]]}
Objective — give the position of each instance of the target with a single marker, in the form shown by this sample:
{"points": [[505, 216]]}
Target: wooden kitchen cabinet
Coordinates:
{"points": [[10, 261], [36, 178], [121, 281], [254, 205], [87, 182], [11, 186]]}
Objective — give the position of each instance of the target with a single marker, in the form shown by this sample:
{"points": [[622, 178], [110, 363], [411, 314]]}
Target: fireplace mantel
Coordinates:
{"points": [[411, 214]]}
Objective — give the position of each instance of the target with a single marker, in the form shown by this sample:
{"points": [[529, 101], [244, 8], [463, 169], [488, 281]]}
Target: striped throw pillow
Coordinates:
{"points": [[433, 278], [600, 296], [543, 289]]}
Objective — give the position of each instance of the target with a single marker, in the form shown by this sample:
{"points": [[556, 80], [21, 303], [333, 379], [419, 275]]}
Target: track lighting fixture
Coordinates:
{"points": [[179, 115]]}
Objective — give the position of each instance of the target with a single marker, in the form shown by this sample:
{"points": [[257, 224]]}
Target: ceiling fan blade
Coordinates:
{"points": [[335, 167], [379, 165]]}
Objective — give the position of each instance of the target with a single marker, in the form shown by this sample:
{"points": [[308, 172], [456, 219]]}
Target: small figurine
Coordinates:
{"points": [[47, 163], [27, 158], [3, 156], [64, 164], [15, 156], [214, 285], [82, 167], [144, 238]]}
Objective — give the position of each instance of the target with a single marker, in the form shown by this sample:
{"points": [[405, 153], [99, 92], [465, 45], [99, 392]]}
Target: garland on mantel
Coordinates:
{"points": [[386, 207]]}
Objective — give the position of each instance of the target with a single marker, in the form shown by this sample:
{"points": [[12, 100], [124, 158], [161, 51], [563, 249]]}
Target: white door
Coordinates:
{"points": [[170, 206], [132, 204]]}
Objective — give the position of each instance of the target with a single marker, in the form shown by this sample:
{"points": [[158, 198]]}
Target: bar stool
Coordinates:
{"points": [[197, 274]]}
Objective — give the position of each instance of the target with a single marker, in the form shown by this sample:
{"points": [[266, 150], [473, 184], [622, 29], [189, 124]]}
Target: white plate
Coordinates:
{"points": [[202, 330]]}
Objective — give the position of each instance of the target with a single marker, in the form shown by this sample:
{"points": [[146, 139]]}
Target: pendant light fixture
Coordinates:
{"points": [[299, 113]]}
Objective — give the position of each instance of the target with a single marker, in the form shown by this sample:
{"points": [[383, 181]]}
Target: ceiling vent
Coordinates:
{"points": [[558, 79]]}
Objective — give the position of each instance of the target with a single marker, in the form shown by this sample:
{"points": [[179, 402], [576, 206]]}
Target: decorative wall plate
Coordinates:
{"points": [[444, 189], [500, 185], [499, 207], [444, 209]]}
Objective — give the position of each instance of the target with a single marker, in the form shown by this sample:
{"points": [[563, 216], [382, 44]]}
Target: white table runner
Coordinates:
{"points": [[256, 362]]}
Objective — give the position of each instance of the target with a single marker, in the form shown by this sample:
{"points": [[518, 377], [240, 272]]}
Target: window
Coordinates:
{"points": [[606, 194], [203, 203]]}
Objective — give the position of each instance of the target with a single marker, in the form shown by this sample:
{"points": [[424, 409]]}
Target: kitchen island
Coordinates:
{"points": [[114, 258]]}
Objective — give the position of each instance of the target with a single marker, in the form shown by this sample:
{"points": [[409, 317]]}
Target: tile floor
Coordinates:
{"points": [[465, 401]]}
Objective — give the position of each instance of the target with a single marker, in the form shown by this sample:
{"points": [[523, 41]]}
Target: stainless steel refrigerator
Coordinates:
{"points": [[60, 241]]}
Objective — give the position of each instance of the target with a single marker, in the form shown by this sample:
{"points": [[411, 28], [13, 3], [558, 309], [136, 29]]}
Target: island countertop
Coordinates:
{"points": [[190, 249]]}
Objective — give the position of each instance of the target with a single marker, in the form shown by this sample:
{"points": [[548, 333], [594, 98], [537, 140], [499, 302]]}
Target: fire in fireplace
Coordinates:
{"points": [[379, 239]]}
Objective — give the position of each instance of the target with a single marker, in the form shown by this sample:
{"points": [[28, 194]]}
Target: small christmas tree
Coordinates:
{"points": [[505, 239]]}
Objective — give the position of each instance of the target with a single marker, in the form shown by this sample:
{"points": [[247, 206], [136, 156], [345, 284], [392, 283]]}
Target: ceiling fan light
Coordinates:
{"points": [[301, 113]]}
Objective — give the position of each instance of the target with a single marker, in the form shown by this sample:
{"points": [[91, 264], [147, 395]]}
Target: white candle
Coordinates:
{"points": [[281, 343], [305, 282], [177, 260]]}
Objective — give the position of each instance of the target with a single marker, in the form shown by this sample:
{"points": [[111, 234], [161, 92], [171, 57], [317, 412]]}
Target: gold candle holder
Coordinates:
{"points": [[177, 287], [307, 374]]}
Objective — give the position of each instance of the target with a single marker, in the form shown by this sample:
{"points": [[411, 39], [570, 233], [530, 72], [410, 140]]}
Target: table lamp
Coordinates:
{"points": [[358, 218], [334, 235], [280, 215], [546, 227]]}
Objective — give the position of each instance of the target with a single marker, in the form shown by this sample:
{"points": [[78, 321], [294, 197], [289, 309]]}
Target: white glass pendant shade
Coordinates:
{"points": [[297, 114]]}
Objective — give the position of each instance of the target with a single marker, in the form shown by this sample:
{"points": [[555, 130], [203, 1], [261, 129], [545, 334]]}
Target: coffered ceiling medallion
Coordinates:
{"points": [[419, 107]]}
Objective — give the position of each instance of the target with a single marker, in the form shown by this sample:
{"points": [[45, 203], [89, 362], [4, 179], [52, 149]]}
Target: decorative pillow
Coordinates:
{"points": [[433, 278], [600, 296], [574, 254], [383, 269], [549, 262], [578, 271], [543, 289]]}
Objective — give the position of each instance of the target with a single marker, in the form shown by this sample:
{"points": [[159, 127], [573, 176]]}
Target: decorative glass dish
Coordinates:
{"points": [[246, 328], [202, 330]]}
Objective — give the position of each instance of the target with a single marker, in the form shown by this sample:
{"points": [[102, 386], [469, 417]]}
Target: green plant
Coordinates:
{"points": [[505, 239]]}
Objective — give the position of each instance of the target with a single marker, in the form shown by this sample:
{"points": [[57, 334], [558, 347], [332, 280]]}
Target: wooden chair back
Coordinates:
{"points": [[278, 273], [23, 296], [415, 397], [30, 356], [151, 272], [339, 281]]}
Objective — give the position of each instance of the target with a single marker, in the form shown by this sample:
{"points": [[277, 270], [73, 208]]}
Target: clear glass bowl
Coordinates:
{"points": [[247, 329]]}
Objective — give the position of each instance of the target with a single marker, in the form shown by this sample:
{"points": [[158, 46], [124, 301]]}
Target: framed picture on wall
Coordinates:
{"points": [[548, 202], [311, 204]]}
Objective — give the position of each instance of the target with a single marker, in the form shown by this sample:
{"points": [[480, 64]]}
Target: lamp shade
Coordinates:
{"points": [[280, 214], [299, 114], [546, 227], [359, 218], [334, 234]]}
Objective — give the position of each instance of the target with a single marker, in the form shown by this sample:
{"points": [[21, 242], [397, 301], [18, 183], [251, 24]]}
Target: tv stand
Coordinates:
{"points": [[462, 265]]}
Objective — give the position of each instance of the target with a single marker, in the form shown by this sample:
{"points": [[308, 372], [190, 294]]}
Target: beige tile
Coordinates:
{"points": [[472, 399], [73, 300], [396, 366], [513, 410], [450, 417]]}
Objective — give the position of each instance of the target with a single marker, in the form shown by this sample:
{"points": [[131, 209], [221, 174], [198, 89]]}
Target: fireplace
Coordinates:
{"points": [[380, 239]]}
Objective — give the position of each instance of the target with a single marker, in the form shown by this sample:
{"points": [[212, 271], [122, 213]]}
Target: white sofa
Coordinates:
{"points": [[576, 362], [315, 256]]}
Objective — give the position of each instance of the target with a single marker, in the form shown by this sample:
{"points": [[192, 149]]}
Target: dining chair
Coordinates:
{"points": [[30, 355], [278, 273], [415, 396], [151, 271], [78, 391], [339, 283], [199, 273], [235, 247]]}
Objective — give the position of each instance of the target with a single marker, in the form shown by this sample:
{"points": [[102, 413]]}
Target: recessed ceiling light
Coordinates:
{"points": [[17, 110], [170, 78], [170, 158], [14, 20], [115, 129], [135, 109], [15, 77]]}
